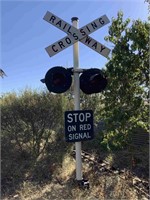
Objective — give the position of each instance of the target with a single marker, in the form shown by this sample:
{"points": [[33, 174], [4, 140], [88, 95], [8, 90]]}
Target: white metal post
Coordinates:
{"points": [[77, 100]]}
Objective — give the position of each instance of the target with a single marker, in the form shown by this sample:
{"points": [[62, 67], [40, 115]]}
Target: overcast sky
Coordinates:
{"points": [[24, 36]]}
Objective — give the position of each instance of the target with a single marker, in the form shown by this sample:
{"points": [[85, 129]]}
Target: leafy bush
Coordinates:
{"points": [[30, 118], [126, 98]]}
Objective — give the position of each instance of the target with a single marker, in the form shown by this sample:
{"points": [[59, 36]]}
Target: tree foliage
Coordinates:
{"points": [[30, 118], [126, 105], [148, 1]]}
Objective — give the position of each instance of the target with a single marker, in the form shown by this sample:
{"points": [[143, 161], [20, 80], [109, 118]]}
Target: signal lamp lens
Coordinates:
{"points": [[58, 79], [92, 81]]}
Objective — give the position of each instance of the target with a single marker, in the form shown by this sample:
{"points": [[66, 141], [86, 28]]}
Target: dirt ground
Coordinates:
{"points": [[50, 180]]}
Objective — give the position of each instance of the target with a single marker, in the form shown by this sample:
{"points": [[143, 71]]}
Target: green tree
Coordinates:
{"points": [[148, 1], [126, 97], [93, 102], [30, 118]]}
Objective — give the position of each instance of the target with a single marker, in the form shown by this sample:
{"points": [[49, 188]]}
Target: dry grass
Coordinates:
{"points": [[62, 186], [52, 175]]}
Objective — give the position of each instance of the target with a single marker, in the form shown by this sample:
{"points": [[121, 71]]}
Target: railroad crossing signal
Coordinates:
{"points": [[59, 79], [75, 34], [54, 79], [92, 81]]}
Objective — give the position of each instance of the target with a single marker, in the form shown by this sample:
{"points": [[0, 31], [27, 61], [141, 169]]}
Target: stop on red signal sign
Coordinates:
{"points": [[79, 125]]}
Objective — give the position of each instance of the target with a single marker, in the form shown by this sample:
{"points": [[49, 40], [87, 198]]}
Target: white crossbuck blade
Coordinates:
{"points": [[75, 34]]}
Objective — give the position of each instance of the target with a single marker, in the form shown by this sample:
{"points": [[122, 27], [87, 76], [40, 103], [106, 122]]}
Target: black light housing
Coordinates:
{"points": [[92, 81], [58, 79]]}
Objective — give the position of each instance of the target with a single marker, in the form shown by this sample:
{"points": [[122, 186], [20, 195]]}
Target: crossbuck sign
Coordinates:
{"points": [[74, 34]]}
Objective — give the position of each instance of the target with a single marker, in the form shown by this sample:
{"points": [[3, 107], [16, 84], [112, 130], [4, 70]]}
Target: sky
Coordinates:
{"points": [[25, 35]]}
